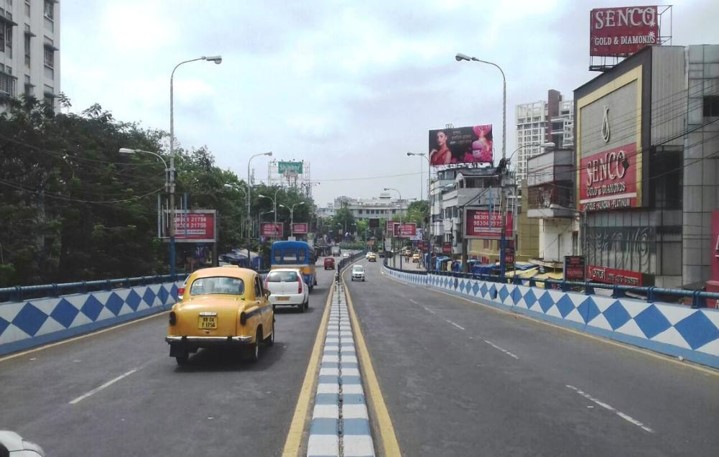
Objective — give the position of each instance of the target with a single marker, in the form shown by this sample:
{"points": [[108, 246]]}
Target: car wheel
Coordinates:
{"points": [[182, 359], [301, 308], [254, 352], [270, 340], [307, 304]]}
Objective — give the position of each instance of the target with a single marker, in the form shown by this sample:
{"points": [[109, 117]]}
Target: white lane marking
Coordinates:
{"points": [[501, 349], [104, 386], [456, 325], [624, 416], [429, 310]]}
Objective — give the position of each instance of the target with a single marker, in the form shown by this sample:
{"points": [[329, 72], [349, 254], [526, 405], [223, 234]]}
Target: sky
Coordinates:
{"points": [[347, 86]]}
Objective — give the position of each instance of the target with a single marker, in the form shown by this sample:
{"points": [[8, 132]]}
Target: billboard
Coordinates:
{"points": [[487, 225], [622, 31], [270, 229], [300, 228], [289, 167], [196, 226], [404, 230], [614, 276], [461, 145], [608, 180]]}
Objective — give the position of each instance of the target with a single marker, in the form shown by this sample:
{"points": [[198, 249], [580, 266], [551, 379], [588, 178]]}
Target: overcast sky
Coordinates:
{"points": [[349, 86]]}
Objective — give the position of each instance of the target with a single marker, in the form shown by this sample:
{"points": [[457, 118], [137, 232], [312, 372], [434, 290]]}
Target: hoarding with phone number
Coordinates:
{"points": [[486, 225], [195, 226]]}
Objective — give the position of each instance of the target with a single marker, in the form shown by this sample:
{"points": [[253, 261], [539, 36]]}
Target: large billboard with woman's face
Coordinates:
{"points": [[458, 145]]}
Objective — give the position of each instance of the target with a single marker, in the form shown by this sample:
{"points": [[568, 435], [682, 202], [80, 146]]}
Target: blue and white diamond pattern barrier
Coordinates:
{"points": [[670, 329], [40, 321]]}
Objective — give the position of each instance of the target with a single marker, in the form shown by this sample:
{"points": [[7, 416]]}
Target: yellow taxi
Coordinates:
{"points": [[221, 306], [415, 257], [371, 257]]}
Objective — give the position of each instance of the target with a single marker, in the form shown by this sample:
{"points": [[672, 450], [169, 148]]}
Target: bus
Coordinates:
{"points": [[295, 254]]}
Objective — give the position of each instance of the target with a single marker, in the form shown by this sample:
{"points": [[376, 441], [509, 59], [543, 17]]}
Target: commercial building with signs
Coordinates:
{"points": [[29, 49], [646, 170], [382, 207]]}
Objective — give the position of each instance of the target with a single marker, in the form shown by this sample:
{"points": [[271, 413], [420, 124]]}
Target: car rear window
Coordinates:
{"points": [[218, 285], [282, 276]]}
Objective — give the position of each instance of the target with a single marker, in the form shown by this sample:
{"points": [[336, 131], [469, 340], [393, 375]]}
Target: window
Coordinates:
{"points": [[49, 9], [711, 106], [49, 56], [28, 35]]}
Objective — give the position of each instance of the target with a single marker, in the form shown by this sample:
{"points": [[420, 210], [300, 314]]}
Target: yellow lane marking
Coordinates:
{"points": [[388, 438], [647, 352], [294, 441], [80, 337]]}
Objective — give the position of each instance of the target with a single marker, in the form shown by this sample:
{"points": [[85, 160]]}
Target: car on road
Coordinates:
{"points": [[224, 306], [345, 255], [288, 289], [329, 263], [12, 444], [358, 273], [372, 257], [415, 257]]}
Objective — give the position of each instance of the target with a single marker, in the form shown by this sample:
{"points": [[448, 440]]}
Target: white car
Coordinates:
{"points": [[14, 445], [287, 288], [358, 273]]}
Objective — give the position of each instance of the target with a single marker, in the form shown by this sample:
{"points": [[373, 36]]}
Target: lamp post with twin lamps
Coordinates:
{"points": [[292, 214], [249, 200], [274, 207], [400, 223], [217, 60], [502, 164], [429, 198]]}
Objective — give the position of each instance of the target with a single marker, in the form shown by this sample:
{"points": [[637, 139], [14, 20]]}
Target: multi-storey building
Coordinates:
{"points": [[542, 122], [29, 45], [384, 207]]}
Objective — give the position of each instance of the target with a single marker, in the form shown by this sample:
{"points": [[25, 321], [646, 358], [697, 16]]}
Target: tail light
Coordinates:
{"points": [[299, 284], [180, 291]]}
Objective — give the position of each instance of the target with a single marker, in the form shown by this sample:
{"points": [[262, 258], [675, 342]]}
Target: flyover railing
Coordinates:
{"points": [[20, 293], [695, 298]]}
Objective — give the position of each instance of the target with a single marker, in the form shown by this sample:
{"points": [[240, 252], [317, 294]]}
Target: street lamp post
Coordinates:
{"points": [[400, 222], [503, 241], [429, 198], [244, 197], [274, 206], [292, 214], [217, 60], [249, 200]]}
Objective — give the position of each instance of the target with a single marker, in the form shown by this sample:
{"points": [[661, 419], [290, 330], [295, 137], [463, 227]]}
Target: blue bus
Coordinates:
{"points": [[295, 254]]}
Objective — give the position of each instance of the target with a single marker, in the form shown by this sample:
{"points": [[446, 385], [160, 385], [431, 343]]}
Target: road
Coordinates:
{"points": [[146, 405], [461, 379]]}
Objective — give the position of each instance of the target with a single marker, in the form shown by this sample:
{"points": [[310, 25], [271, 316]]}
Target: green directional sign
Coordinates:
{"points": [[289, 167]]}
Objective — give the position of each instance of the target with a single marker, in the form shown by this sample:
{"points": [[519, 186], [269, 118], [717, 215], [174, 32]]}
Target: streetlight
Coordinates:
{"points": [[217, 60], [503, 242], [274, 205], [244, 196], [249, 196], [292, 213], [400, 221], [168, 186], [429, 199]]}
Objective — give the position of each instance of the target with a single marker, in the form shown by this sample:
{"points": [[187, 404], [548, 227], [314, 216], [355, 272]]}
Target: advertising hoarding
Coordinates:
{"points": [[608, 179], [487, 225], [289, 167], [622, 31], [270, 229], [614, 276], [461, 145], [196, 226], [404, 230], [300, 228], [574, 267]]}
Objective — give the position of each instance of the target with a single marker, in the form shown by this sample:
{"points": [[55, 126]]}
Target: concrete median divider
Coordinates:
{"points": [[679, 331]]}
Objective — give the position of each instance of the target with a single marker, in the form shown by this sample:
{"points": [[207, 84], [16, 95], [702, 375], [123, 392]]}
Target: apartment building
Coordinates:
{"points": [[29, 49]]}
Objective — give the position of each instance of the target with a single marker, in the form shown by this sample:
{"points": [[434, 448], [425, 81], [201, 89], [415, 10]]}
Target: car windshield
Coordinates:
{"points": [[358, 269], [282, 276], [218, 285]]}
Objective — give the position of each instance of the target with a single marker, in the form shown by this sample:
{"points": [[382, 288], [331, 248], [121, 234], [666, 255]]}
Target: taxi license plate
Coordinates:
{"points": [[283, 298], [207, 322]]}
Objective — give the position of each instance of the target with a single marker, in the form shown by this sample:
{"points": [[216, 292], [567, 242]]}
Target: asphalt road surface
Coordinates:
{"points": [[118, 393], [461, 379]]}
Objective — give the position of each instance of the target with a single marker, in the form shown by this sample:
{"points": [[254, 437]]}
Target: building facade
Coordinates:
{"points": [[646, 182], [543, 122], [29, 49], [382, 207]]}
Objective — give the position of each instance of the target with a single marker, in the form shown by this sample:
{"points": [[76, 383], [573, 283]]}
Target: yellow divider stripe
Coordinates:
{"points": [[294, 441]]}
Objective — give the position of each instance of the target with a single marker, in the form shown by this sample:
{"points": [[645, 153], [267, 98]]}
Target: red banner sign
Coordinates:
{"points": [[622, 31], [614, 276], [447, 248], [270, 229], [405, 230], [300, 228], [608, 180], [487, 224], [196, 226]]}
